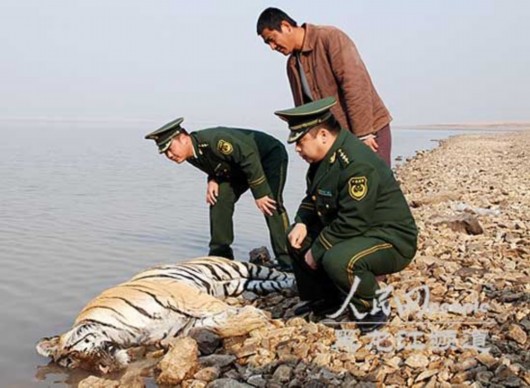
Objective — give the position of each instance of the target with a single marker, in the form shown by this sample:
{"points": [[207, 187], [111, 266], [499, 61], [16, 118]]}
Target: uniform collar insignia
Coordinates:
{"points": [[343, 156]]}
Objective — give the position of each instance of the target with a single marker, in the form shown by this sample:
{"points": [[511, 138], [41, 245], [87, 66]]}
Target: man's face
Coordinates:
{"points": [[281, 41], [178, 150], [311, 147]]}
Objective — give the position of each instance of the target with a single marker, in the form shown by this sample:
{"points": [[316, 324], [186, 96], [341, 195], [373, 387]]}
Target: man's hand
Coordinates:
{"points": [[212, 192], [310, 260], [266, 205], [297, 235], [370, 142]]}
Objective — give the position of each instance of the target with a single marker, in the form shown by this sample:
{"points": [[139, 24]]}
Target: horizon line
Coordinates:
{"points": [[469, 125]]}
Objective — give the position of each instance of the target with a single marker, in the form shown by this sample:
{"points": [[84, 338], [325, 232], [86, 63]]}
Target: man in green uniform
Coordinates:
{"points": [[235, 160], [354, 223]]}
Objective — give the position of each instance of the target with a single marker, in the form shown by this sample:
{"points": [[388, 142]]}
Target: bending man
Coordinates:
{"points": [[323, 61], [235, 160]]}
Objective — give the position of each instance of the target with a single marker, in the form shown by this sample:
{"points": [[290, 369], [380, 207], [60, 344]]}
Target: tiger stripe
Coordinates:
{"points": [[160, 303]]}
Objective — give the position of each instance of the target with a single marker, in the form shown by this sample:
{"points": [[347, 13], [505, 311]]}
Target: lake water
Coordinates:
{"points": [[85, 206]]}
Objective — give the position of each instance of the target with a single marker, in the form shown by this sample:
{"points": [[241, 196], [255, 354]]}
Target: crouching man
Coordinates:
{"points": [[354, 223], [235, 160]]}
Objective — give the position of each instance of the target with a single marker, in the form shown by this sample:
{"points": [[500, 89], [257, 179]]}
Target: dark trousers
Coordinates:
{"points": [[221, 214], [362, 257], [384, 141]]}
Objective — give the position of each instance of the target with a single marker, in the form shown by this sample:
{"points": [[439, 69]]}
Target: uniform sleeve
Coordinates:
{"points": [[306, 213], [357, 200], [353, 80], [247, 158]]}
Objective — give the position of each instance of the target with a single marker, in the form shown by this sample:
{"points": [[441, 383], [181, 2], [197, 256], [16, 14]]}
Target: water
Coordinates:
{"points": [[85, 206]]}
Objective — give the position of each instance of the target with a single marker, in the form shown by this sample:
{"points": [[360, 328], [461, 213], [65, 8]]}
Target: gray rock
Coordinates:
{"points": [[465, 224], [220, 360], [257, 381], [282, 373], [301, 368], [526, 324], [277, 312], [503, 373], [260, 256], [207, 340], [232, 374], [326, 374], [295, 384], [366, 384], [483, 377], [349, 381], [250, 296], [227, 383], [512, 381], [315, 384]]}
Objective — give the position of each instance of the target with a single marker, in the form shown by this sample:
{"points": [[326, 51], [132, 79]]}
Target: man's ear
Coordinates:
{"points": [[48, 346], [323, 134], [285, 27]]}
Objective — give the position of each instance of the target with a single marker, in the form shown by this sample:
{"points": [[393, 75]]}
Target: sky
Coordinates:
{"points": [[435, 61]]}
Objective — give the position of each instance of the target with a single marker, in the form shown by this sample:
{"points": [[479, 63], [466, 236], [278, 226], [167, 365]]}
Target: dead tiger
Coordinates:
{"points": [[159, 304]]}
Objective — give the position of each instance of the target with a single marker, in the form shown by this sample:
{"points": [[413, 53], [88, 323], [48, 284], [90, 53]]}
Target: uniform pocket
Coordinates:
{"points": [[222, 172], [326, 207]]}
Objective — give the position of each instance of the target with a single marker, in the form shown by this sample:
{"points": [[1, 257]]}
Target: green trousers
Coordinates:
{"points": [[362, 257], [221, 214]]}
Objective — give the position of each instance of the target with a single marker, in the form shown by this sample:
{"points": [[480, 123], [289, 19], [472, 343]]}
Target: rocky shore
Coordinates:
{"points": [[460, 311]]}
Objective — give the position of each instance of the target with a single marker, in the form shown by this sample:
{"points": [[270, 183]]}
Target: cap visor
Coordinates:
{"points": [[295, 136]]}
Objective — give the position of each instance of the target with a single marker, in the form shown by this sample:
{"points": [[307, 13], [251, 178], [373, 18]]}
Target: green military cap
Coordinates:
{"points": [[304, 117], [163, 135]]}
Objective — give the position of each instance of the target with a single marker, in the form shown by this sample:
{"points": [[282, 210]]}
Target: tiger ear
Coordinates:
{"points": [[48, 346]]}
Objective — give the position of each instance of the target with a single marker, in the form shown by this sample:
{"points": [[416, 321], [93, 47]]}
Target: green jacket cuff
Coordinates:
{"points": [[261, 190]]}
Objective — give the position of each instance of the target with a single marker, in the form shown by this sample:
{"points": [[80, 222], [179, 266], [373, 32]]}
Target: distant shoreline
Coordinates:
{"points": [[488, 126]]}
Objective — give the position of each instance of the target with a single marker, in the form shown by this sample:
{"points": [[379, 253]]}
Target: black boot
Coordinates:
{"points": [[372, 322], [318, 307], [282, 266]]}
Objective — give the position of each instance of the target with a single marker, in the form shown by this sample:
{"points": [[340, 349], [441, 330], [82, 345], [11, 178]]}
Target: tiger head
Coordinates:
{"points": [[85, 348]]}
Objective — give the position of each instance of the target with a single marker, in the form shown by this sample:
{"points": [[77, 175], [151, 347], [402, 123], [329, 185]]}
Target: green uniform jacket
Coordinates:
{"points": [[233, 154], [351, 193]]}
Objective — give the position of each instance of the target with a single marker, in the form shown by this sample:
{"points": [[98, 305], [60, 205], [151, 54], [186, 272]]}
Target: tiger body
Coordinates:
{"points": [[160, 304]]}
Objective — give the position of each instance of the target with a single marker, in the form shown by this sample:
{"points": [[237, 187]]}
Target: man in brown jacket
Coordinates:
{"points": [[324, 62]]}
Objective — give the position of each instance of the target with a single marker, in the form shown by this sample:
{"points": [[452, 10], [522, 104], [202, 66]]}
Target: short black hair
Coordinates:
{"points": [[330, 124], [272, 19], [333, 124]]}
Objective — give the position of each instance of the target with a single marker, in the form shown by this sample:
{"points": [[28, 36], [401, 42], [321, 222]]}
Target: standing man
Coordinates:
{"points": [[354, 223], [323, 61], [235, 160]]}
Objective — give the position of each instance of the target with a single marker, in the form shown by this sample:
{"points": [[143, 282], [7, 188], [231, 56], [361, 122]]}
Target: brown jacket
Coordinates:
{"points": [[333, 67]]}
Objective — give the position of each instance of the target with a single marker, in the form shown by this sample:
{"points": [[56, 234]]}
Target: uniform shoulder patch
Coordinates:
{"points": [[225, 147], [358, 187]]}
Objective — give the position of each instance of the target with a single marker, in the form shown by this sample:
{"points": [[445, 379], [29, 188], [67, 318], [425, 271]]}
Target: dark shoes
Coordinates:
{"points": [[318, 307], [372, 322]]}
